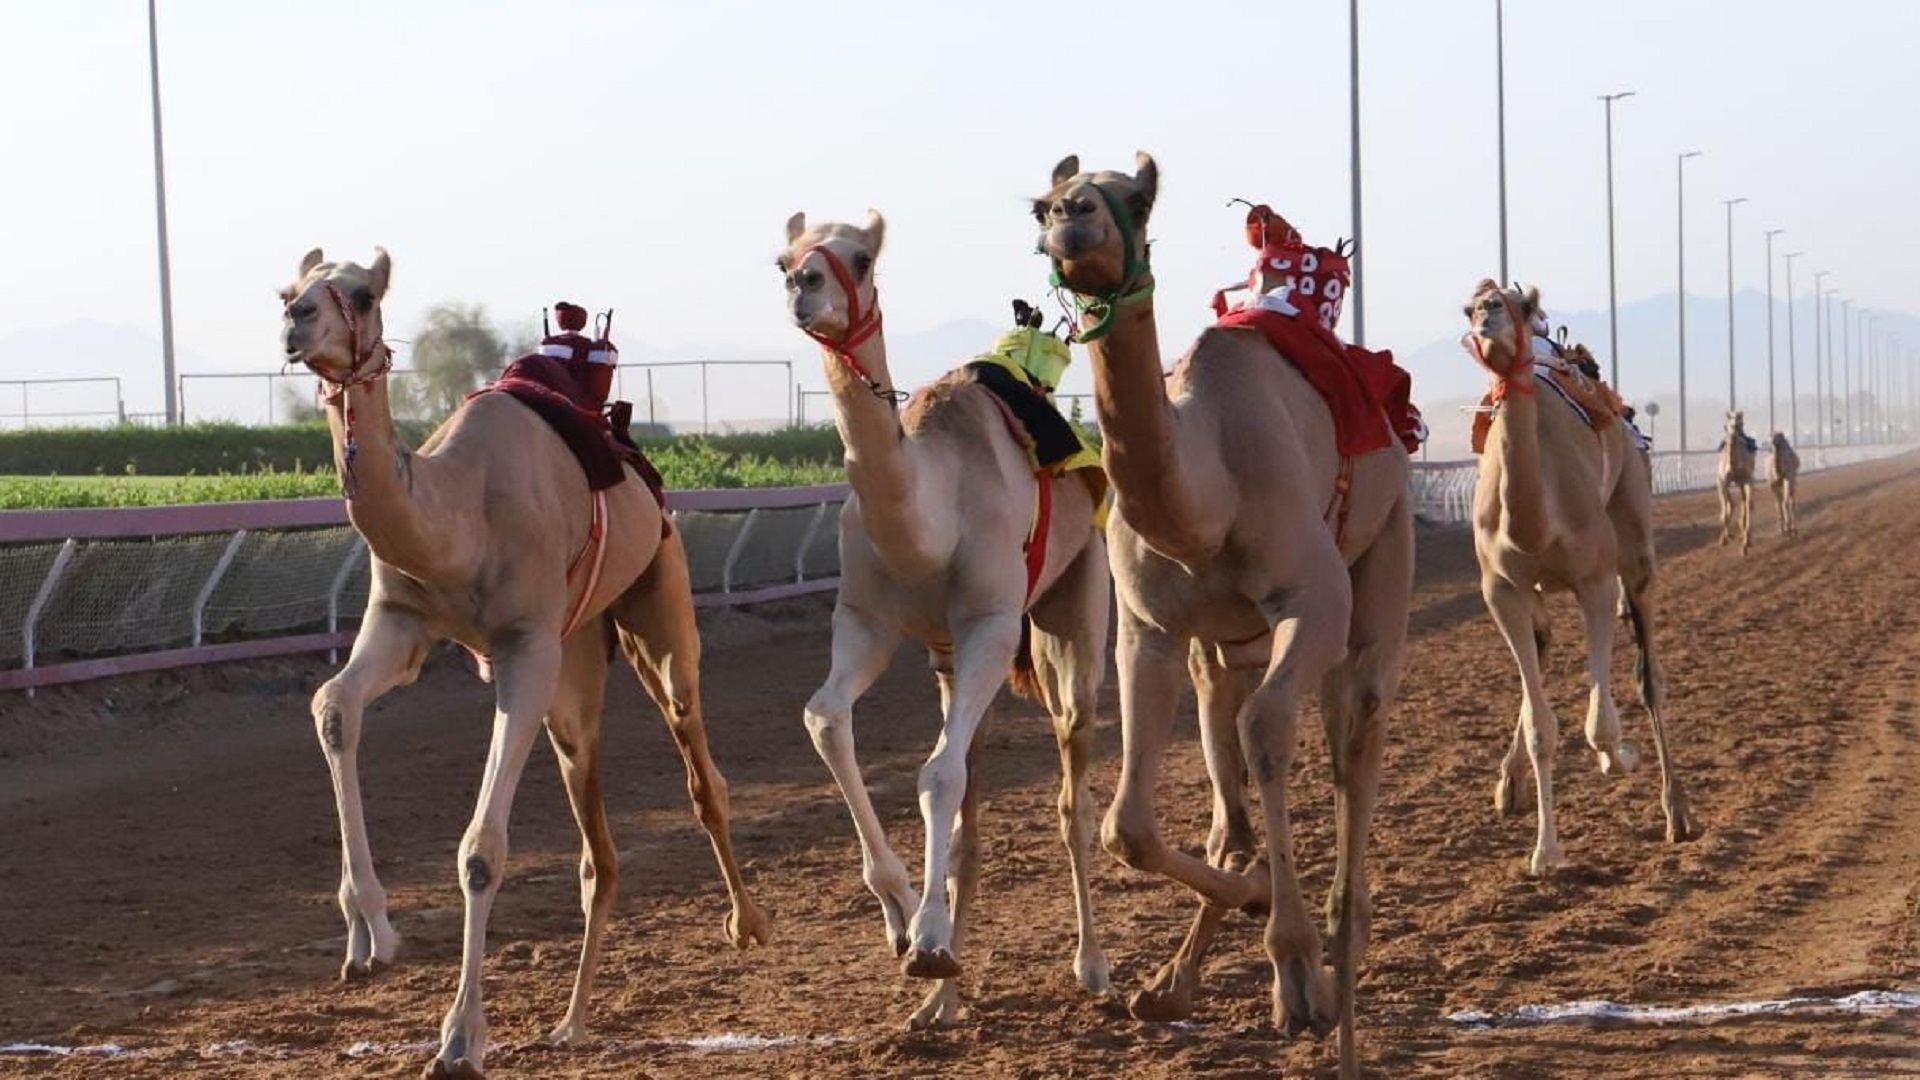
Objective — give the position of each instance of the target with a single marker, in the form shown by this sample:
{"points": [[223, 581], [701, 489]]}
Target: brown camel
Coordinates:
{"points": [[1735, 471], [931, 543], [1223, 557], [1783, 475], [1561, 505], [471, 539]]}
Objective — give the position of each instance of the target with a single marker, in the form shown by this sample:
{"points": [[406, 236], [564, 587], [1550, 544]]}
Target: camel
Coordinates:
{"points": [[1783, 476], [1223, 556], [1735, 470], [931, 543], [471, 539], [1561, 505]]}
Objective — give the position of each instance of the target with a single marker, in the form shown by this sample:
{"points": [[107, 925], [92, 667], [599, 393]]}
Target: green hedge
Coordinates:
{"points": [[211, 449]]}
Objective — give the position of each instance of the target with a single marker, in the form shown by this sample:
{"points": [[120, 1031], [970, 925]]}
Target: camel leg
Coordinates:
{"points": [[1598, 604], [1793, 511], [1149, 663], [1746, 517], [1506, 791], [862, 647], [1511, 608], [1231, 843], [1070, 646], [1355, 699], [526, 677], [387, 652], [1726, 513], [1653, 693], [1311, 623], [573, 726], [662, 643], [942, 1004], [983, 648], [1779, 489]]}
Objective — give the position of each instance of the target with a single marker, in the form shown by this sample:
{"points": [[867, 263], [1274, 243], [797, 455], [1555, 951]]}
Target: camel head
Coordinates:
{"points": [[829, 275], [1499, 326], [332, 322], [1779, 441], [1736, 423], [1094, 227]]}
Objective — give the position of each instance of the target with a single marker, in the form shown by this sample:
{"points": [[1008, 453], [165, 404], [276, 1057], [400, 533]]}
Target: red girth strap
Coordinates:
{"points": [[860, 327], [593, 554], [1036, 543]]}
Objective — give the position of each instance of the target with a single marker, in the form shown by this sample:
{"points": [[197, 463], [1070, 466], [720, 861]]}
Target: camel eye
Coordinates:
{"points": [[862, 262]]}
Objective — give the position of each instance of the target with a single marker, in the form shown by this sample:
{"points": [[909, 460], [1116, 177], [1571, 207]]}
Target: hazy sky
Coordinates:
{"points": [[645, 155]]}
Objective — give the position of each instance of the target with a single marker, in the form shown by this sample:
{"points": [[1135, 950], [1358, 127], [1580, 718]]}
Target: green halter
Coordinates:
{"points": [[1103, 306]]}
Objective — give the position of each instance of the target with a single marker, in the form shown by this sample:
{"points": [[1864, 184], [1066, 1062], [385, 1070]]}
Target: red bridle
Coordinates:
{"points": [[1523, 355], [364, 370], [860, 326]]}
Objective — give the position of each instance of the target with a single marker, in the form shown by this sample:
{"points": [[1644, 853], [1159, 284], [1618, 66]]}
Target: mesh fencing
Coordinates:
{"points": [[131, 592]]}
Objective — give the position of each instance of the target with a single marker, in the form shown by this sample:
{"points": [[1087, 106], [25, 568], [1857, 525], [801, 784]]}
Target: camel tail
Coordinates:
{"points": [[1023, 679]]}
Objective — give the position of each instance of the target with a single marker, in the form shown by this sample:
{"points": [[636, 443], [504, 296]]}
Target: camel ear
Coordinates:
{"points": [[1146, 176], [379, 273], [796, 225], [1532, 296], [876, 231], [1068, 168], [313, 258]]}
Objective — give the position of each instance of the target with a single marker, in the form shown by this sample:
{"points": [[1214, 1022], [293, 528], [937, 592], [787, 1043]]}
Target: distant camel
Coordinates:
{"points": [[1783, 476], [1736, 481]]}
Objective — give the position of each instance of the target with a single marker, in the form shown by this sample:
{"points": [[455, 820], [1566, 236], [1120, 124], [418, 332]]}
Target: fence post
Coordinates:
{"points": [[354, 551], [733, 553], [212, 583], [806, 542], [52, 581]]}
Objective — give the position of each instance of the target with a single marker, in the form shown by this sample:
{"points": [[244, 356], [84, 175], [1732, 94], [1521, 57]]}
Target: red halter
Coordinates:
{"points": [[1523, 355], [359, 374], [860, 327]]}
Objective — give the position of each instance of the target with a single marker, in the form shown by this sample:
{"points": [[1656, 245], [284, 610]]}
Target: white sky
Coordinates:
{"points": [[645, 155]]}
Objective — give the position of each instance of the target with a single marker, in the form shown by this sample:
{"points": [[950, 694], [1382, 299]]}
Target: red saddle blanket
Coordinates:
{"points": [[1369, 395], [601, 442]]}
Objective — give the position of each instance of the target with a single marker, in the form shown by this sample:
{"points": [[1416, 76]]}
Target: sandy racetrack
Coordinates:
{"points": [[168, 858]]}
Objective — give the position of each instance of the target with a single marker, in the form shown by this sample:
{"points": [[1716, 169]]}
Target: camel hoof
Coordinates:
{"points": [[931, 964], [1544, 863], [462, 1069], [1624, 759], [748, 924], [941, 1009], [374, 967], [1094, 974], [1506, 802], [1299, 1004], [569, 1036], [1155, 1006]]}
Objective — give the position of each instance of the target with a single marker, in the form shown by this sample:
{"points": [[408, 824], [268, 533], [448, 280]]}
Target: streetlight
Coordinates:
{"points": [[1819, 376], [1500, 99], [1793, 384], [160, 216], [1846, 369], [1733, 402], [1353, 109], [1613, 306], [1826, 298], [1770, 234], [1681, 169]]}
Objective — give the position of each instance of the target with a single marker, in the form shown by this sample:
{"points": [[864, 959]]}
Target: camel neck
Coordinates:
{"points": [[1139, 444], [879, 467], [1522, 498], [386, 478]]}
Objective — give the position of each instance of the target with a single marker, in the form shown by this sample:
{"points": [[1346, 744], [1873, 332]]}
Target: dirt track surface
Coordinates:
{"points": [[168, 858]]}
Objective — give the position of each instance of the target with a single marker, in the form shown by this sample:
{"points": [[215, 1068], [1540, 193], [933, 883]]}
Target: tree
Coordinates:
{"points": [[452, 356]]}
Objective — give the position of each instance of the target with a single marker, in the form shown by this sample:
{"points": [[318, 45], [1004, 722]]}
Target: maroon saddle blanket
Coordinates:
{"points": [[600, 441]]}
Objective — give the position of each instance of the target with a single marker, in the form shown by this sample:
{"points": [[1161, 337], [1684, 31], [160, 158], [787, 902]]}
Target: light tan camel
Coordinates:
{"points": [[471, 539], [1783, 476], [1559, 505], [1735, 470], [931, 543], [1223, 557]]}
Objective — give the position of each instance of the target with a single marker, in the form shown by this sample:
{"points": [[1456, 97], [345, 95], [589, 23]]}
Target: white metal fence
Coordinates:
{"points": [[89, 593]]}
